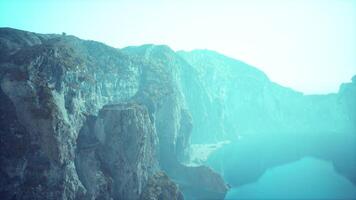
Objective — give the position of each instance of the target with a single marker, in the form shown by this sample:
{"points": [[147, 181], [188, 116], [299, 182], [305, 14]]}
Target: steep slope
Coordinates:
{"points": [[268, 125], [197, 182], [243, 101], [88, 121], [53, 85], [81, 120], [116, 152]]}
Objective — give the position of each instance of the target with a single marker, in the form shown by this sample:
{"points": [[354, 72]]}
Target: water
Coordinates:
{"points": [[308, 178]]}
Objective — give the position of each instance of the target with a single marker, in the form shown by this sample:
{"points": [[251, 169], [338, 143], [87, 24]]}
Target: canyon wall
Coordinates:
{"points": [[81, 120]]}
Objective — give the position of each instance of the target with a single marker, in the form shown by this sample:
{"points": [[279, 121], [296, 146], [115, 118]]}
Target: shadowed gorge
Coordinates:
{"points": [[84, 120]]}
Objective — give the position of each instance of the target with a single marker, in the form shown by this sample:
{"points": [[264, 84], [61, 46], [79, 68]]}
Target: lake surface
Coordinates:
{"points": [[308, 178]]}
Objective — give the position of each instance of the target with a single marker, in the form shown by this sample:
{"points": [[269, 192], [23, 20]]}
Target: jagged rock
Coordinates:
{"points": [[53, 84], [47, 169], [12, 41], [117, 152], [160, 187], [173, 123], [54, 89], [199, 182], [160, 92], [56, 118]]}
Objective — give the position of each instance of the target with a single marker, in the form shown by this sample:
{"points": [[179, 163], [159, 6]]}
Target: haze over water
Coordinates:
{"points": [[307, 45]]}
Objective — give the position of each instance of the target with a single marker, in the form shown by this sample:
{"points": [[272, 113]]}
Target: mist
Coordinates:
{"points": [[168, 100]]}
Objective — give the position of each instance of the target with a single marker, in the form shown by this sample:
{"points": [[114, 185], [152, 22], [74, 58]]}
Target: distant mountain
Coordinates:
{"points": [[241, 100], [267, 124], [82, 120]]}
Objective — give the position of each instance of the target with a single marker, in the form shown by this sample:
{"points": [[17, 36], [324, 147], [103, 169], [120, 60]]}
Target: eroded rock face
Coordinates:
{"points": [[199, 182], [48, 153], [160, 92], [88, 121], [173, 122], [117, 152], [160, 186], [245, 107], [243, 101]]}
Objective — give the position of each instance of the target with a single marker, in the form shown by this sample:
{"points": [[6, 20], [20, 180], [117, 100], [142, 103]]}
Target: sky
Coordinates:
{"points": [[308, 45]]}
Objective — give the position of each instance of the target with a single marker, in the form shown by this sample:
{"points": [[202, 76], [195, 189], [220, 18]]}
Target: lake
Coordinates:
{"points": [[308, 178]]}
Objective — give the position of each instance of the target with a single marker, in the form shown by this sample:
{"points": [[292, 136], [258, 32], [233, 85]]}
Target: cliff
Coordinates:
{"points": [[81, 120], [266, 124], [240, 100]]}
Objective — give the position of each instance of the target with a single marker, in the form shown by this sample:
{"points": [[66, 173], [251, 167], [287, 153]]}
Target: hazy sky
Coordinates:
{"points": [[309, 45]]}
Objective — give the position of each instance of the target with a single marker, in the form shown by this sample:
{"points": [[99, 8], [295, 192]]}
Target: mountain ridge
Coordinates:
{"points": [[71, 143], [69, 104], [178, 51]]}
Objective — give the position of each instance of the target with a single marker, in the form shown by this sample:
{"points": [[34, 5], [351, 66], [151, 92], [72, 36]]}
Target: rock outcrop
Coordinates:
{"points": [[116, 152], [82, 120], [173, 121], [87, 121], [160, 186]]}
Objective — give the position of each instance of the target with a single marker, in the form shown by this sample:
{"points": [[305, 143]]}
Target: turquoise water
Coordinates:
{"points": [[308, 178]]}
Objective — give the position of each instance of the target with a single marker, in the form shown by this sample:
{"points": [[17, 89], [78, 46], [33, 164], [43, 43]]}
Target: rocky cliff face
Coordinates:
{"points": [[268, 125], [117, 152], [87, 121], [242, 101], [81, 120], [174, 122]]}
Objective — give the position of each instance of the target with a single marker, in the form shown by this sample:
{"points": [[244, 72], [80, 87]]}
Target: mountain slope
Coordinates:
{"points": [[267, 124], [85, 120], [90, 121], [242, 101]]}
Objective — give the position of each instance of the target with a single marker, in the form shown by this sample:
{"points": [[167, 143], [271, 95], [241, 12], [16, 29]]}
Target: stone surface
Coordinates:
{"points": [[199, 182], [159, 186], [87, 121], [116, 152], [267, 124], [81, 120], [174, 122], [232, 99]]}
